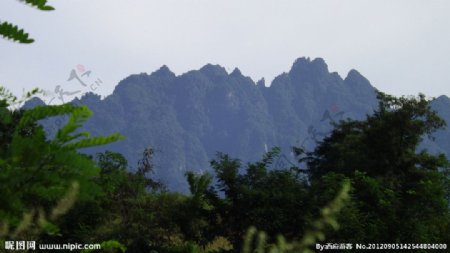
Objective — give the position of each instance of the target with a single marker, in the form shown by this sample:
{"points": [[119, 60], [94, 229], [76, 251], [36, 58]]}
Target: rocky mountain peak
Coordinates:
{"points": [[236, 72], [354, 78], [306, 69], [164, 71], [214, 72]]}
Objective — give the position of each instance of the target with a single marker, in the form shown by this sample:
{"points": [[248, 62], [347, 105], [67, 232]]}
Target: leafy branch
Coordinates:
{"points": [[13, 32], [40, 4], [37, 221], [256, 241]]}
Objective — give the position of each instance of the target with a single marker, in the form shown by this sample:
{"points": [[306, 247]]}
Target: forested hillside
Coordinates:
{"points": [[364, 183], [187, 119]]}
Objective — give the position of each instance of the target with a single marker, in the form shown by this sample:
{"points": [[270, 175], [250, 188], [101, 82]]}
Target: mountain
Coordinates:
{"points": [[190, 117], [439, 141]]}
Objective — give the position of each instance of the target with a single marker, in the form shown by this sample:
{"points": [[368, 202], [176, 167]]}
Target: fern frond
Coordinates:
{"points": [[78, 135], [78, 116], [41, 112], [95, 141], [12, 32], [40, 4], [7, 95], [13, 102], [66, 203]]}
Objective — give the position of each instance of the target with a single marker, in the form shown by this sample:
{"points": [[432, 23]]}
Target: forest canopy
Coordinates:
{"points": [[50, 192]]}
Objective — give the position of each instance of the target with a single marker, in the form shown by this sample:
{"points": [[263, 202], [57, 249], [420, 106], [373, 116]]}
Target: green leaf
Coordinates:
{"points": [[41, 112], [40, 4], [95, 141], [12, 32], [77, 117]]}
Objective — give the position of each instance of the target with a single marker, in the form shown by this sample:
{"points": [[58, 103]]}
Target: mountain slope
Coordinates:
{"points": [[188, 118]]}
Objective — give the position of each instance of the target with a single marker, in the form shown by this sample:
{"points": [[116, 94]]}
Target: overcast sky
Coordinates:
{"points": [[402, 47]]}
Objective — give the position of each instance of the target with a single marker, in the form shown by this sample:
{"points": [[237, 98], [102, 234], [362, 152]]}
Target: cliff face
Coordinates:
{"points": [[188, 118], [439, 141]]}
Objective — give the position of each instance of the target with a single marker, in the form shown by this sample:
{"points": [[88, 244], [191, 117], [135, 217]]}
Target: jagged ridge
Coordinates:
{"points": [[190, 117]]}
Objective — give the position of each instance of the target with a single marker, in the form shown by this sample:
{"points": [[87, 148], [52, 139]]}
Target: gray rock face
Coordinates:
{"points": [[188, 118]]}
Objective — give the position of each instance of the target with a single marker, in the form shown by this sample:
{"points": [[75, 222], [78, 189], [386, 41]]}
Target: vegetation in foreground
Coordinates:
{"points": [[388, 192]]}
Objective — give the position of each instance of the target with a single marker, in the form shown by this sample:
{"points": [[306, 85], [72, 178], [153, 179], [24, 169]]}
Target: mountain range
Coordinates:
{"points": [[188, 118]]}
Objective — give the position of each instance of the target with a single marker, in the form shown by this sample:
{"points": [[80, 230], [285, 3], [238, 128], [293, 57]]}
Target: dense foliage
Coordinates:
{"points": [[400, 194], [391, 192], [41, 179], [364, 183]]}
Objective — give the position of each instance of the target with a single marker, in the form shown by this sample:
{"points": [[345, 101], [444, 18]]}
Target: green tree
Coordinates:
{"points": [[399, 194], [35, 172], [134, 209], [272, 200]]}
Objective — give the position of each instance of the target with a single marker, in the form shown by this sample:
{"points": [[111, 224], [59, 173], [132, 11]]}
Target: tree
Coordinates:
{"points": [[35, 172], [271, 200], [399, 194], [134, 209]]}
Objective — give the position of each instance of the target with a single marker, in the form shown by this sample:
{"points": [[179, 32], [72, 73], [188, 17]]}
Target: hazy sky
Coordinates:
{"points": [[402, 47]]}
